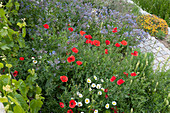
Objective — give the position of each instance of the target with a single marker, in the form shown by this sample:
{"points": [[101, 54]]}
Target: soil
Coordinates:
{"points": [[166, 41]]}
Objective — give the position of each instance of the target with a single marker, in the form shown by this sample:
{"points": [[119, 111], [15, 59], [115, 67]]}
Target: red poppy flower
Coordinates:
{"points": [[96, 42], [88, 36], [112, 79], [46, 26], [133, 74], [123, 42], [114, 30], [79, 62], [135, 53], [68, 24], [91, 43], [82, 33], [107, 42], [106, 90], [106, 96], [120, 81], [71, 59], [64, 78], [61, 104], [125, 74], [75, 50], [21, 58], [15, 73], [106, 51], [117, 45], [69, 111], [88, 41], [70, 29], [72, 103]]}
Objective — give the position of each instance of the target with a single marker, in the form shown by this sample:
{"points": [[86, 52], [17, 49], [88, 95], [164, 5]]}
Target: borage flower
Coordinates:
{"points": [[71, 59], [72, 103]]}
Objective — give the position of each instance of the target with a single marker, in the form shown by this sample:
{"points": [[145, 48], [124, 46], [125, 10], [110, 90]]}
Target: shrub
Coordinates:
{"points": [[152, 24]]}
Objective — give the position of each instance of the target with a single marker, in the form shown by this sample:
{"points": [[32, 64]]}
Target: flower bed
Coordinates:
{"points": [[84, 61]]}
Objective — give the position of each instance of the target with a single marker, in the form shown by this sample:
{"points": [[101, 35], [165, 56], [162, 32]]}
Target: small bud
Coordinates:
{"points": [[131, 110], [155, 89]]}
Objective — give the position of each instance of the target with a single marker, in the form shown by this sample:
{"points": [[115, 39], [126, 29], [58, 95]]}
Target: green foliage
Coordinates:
{"points": [[160, 35], [8, 37], [159, 7], [20, 96]]}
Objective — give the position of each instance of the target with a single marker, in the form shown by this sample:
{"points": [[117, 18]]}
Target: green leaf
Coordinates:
{"points": [[1, 65], [35, 105], [21, 42], [10, 112], [21, 101], [3, 99], [19, 24], [23, 88], [17, 5], [23, 32], [14, 100], [3, 81], [3, 32], [18, 109], [8, 65]]}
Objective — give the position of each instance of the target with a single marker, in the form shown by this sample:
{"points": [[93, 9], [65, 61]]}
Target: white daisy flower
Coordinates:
{"points": [[72, 98], [81, 112], [40, 57], [80, 104], [99, 93], [88, 80], [32, 58], [102, 80], [107, 106], [87, 101], [95, 77], [90, 89], [34, 61], [80, 95], [114, 102], [93, 85], [98, 86], [102, 89], [96, 111]]}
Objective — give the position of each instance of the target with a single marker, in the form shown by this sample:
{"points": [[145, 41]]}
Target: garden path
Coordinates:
{"points": [[161, 53]]}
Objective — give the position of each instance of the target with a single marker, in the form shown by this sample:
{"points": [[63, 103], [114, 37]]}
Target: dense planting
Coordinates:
{"points": [[82, 59]]}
